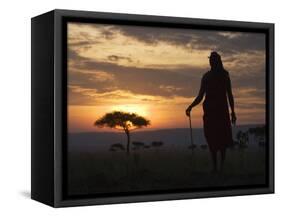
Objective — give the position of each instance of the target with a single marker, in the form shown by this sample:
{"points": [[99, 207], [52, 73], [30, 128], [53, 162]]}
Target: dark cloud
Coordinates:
{"points": [[82, 40], [148, 81], [108, 34], [225, 42], [152, 35], [249, 80], [116, 58], [89, 81], [73, 55], [181, 81]]}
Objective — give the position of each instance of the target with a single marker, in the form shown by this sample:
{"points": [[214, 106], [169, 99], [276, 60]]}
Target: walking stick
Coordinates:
{"points": [[191, 145], [191, 136]]}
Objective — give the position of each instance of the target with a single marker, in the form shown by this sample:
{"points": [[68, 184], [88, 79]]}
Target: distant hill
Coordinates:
{"points": [[172, 138]]}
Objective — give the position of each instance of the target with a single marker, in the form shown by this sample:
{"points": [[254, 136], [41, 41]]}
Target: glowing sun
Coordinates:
{"points": [[131, 108]]}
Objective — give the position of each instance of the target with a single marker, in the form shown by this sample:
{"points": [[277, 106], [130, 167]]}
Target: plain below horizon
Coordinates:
{"points": [[109, 130], [170, 138]]}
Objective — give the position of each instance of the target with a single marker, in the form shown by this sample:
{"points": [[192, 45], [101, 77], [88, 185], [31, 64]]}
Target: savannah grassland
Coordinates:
{"points": [[152, 168]]}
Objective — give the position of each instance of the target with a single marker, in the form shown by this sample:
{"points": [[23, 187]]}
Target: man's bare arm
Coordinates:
{"points": [[198, 99]]}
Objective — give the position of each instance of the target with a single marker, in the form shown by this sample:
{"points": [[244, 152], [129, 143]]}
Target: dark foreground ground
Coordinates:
{"points": [[157, 169]]}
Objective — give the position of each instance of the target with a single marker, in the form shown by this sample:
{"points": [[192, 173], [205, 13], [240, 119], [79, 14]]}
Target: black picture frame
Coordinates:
{"points": [[49, 103]]}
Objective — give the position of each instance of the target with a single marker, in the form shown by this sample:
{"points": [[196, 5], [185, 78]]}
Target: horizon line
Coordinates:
{"points": [[157, 129]]}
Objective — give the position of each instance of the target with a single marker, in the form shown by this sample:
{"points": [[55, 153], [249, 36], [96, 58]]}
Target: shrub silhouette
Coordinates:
{"points": [[157, 143], [243, 139], [116, 147], [138, 145], [124, 121], [259, 134]]}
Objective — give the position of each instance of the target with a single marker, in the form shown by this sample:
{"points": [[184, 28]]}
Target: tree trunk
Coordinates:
{"points": [[128, 141]]}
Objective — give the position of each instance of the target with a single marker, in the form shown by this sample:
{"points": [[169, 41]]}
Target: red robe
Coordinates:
{"points": [[216, 118]]}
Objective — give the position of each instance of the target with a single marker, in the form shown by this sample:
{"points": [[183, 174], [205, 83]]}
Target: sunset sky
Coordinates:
{"points": [[156, 73]]}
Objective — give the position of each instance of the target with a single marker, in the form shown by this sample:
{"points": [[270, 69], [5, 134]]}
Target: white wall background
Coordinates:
{"points": [[15, 106]]}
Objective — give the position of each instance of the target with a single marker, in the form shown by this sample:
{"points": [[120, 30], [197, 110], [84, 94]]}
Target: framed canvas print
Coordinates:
{"points": [[130, 108]]}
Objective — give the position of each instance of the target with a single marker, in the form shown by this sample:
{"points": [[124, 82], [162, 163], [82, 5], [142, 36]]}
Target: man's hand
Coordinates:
{"points": [[233, 118], [188, 111]]}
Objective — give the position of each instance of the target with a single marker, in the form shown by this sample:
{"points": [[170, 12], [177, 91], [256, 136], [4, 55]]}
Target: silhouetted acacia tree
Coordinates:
{"points": [[124, 121]]}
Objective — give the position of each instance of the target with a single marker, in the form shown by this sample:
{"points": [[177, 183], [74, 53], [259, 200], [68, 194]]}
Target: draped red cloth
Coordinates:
{"points": [[216, 118]]}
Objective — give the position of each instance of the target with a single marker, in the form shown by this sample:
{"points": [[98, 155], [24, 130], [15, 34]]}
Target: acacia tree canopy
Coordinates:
{"points": [[122, 120]]}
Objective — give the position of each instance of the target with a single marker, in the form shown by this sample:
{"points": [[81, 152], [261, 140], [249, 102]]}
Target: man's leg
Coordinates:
{"points": [[214, 159], [223, 152]]}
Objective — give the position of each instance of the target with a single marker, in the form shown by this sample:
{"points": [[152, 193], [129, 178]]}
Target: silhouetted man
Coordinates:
{"points": [[216, 86]]}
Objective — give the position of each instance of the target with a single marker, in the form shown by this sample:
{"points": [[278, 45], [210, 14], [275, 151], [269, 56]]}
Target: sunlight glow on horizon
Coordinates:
{"points": [[131, 108]]}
